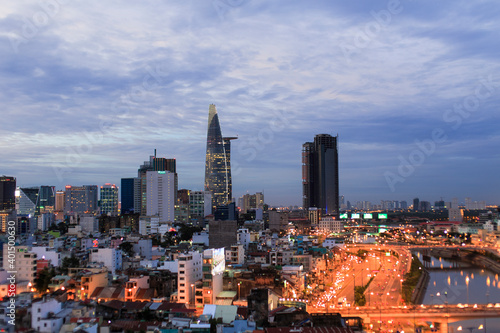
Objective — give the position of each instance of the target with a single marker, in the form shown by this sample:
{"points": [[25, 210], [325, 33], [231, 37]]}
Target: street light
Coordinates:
{"points": [[467, 283]]}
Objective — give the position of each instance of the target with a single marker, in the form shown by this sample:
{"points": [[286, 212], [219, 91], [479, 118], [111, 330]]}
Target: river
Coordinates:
{"points": [[465, 285]]}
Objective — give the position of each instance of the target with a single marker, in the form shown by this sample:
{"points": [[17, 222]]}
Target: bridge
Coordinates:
{"points": [[439, 315]]}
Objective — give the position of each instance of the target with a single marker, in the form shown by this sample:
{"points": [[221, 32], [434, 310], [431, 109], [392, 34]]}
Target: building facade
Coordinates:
{"points": [[109, 199], [154, 164], [218, 162], [160, 195], [189, 271], [81, 199], [320, 174]]}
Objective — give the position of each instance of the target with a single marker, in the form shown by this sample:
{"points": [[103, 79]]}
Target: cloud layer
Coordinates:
{"points": [[90, 88]]}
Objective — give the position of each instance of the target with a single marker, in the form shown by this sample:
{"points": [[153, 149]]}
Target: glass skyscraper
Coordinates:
{"points": [[218, 162], [320, 174]]}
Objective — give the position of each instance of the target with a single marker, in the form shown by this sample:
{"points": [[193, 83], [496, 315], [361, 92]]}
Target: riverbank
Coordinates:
{"points": [[472, 257]]}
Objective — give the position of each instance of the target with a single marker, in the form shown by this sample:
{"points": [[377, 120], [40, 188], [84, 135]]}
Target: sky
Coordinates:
{"points": [[88, 90]]}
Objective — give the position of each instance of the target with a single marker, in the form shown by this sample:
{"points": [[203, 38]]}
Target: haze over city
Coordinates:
{"points": [[90, 89]]}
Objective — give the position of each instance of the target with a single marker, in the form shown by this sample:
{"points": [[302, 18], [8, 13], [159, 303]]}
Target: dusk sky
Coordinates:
{"points": [[90, 88]]}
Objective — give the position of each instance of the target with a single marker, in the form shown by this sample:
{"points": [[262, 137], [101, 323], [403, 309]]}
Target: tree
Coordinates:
{"points": [[128, 248], [69, 262], [43, 279]]}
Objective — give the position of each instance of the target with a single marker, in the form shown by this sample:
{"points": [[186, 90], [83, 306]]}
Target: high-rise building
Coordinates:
{"points": [[160, 195], [154, 164], [320, 174], [109, 199], [80, 199], [7, 193], [182, 206], [130, 190], [218, 161], [26, 201], [416, 204], [60, 201], [46, 199], [200, 204]]}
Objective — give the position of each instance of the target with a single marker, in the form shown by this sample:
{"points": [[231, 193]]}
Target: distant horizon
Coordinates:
{"points": [[461, 201]]}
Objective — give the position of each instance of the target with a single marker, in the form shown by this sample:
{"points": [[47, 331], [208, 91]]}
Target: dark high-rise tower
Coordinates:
{"points": [[320, 174], [218, 162], [7, 193]]}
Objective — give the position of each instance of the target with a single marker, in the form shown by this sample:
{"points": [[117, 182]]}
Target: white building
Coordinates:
{"points": [[24, 264], [189, 271], [331, 242], [329, 223], [200, 238], [243, 237], [111, 258], [44, 316], [43, 252], [160, 193]]}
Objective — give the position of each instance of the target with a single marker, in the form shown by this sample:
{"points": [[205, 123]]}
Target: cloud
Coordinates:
{"points": [[140, 76]]}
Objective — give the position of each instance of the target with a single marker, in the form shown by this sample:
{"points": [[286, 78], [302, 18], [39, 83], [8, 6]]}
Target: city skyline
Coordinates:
{"points": [[410, 89]]}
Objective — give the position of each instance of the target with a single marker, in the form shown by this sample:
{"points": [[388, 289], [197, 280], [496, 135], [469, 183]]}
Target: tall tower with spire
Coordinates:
{"points": [[218, 161]]}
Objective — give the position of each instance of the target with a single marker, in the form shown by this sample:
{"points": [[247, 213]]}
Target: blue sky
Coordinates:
{"points": [[90, 88]]}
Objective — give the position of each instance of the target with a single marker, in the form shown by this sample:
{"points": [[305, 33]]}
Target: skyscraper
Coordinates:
{"points": [[81, 199], [7, 193], [320, 174], [160, 195], [154, 164], [218, 162], [109, 199], [130, 195]]}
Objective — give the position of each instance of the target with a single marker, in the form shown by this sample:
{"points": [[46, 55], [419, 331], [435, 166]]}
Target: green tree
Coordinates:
{"points": [[43, 278], [128, 248], [69, 262]]}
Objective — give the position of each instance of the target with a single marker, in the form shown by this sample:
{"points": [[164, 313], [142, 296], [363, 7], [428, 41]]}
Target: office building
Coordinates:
{"points": [[182, 206], [26, 201], [160, 195], [80, 199], [416, 204], [109, 199], [320, 174], [130, 190], [200, 204], [46, 199], [154, 164], [218, 161], [60, 201], [7, 193]]}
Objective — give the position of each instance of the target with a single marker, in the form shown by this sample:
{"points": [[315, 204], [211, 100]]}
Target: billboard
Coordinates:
{"points": [[382, 216], [368, 216], [344, 216], [355, 216]]}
